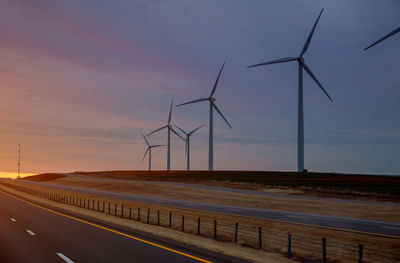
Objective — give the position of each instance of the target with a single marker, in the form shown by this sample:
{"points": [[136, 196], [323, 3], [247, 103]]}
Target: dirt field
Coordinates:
{"points": [[345, 184], [363, 211], [306, 241]]}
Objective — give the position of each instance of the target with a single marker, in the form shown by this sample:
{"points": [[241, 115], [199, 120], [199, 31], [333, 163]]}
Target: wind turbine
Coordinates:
{"points": [[302, 65], [211, 99], [397, 30], [187, 148], [169, 127], [149, 147]]}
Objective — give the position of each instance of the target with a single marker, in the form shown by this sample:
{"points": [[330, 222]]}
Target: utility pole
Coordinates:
{"points": [[19, 159]]}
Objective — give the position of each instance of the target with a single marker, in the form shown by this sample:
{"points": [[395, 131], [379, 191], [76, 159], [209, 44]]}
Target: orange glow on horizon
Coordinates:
{"points": [[14, 175]]}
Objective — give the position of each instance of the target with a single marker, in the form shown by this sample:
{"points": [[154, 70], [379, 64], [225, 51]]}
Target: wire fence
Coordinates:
{"points": [[303, 246]]}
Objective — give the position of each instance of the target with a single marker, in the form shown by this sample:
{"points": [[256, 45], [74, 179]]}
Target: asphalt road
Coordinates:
{"points": [[341, 223], [29, 233]]}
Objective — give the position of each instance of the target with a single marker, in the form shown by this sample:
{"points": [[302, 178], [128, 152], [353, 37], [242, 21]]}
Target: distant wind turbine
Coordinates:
{"points": [[169, 127], [149, 147], [187, 148], [302, 65], [211, 99], [397, 30]]}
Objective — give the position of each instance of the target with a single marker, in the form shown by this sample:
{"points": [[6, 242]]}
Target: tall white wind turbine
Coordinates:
{"points": [[302, 65], [148, 150], [169, 128], [213, 106], [187, 148]]}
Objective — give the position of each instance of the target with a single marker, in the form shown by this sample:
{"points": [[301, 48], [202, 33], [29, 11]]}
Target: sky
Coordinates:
{"points": [[80, 80]]}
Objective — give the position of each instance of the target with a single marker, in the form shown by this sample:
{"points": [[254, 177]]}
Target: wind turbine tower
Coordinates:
{"points": [[302, 65], [169, 128], [213, 106], [187, 148], [148, 150]]}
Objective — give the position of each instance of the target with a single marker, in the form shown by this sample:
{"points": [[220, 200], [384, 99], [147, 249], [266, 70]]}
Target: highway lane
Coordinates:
{"points": [[32, 234], [278, 195], [341, 223]]}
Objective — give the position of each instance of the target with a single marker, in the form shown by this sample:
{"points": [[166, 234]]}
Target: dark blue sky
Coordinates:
{"points": [[81, 79]]}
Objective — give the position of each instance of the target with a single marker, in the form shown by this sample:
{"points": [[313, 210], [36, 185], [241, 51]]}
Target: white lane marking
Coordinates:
{"points": [[12, 219], [389, 227], [233, 209], [61, 255], [30, 232], [302, 217]]}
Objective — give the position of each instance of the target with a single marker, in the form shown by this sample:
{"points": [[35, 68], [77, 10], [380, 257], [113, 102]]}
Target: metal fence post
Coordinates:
{"points": [[215, 229], [259, 237], [130, 213], [236, 232], [93, 205], [183, 223], [103, 206], [148, 215], [98, 206], [115, 209], [323, 250], [198, 225], [360, 253], [158, 217], [289, 245], [138, 214], [170, 219], [122, 211], [109, 208]]}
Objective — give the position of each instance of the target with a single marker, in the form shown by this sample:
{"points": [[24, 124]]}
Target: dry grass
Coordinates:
{"points": [[353, 184], [187, 193], [306, 241]]}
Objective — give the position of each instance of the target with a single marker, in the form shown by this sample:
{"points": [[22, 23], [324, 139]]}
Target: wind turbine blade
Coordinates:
{"points": [[305, 47], [145, 154], [220, 113], [159, 129], [170, 111], [193, 101], [157, 145], [308, 70], [144, 137], [216, 81], [281, 60], [186, 147], [180, 129], [397, 30], [177, 134], [190, 133]]}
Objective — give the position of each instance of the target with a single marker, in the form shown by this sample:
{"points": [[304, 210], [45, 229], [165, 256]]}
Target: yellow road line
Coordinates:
{"points": [[109, 229]]}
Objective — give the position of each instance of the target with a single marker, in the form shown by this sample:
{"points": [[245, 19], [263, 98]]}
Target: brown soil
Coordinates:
{"points": [[44, 177]]}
